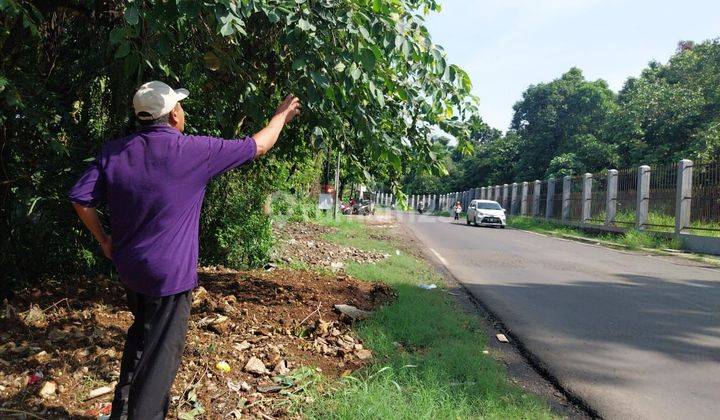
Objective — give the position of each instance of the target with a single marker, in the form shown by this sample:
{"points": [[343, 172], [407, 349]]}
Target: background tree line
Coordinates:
{"points": [[372, 82], [572, 125]]}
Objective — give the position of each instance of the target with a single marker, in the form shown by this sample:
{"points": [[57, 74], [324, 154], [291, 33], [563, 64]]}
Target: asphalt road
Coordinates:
{"points": [[634, 336]]}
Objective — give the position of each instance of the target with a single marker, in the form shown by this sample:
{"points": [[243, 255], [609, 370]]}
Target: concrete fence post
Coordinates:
{"points": [[611, 197], [497, 192], [567, 185], [491, 193], [524, 199], [683, 198], [514, 198], [536, 198], [550, 198], [505, 196], [643, 197], [482, 193], [586, 197], [472, 195]]}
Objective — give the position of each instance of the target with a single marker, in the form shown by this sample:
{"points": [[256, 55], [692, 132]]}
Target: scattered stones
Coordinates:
{"points": [[301, 242], [97, 392], [48, 389], [281, 368], [242, 346], [216, 323], [256, 366], [352, 311], [364, 354]]}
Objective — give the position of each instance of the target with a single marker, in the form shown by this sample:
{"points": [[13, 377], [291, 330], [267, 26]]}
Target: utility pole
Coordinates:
{"points": [[337, 187]]}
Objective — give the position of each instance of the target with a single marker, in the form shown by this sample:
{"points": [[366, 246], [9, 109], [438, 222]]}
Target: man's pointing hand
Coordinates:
{"points": [[289, 108], [265, 139]]}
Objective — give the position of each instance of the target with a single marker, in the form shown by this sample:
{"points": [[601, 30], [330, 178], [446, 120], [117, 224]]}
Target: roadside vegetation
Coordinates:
{"points": [[572, 125], [372, 82], [632, 239], [429, 360]]}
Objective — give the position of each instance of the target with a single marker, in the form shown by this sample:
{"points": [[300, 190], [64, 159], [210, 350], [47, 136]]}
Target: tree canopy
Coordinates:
{"points": [[372, 81], [572, 125]]}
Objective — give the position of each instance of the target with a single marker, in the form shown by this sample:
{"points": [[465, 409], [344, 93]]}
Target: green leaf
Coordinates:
{"points": [[272, 15], [298, 63], [364, 32], [380, 97], [355, 72], [123, 50], [227, 29], [116, 35], [320, 79], [131, 15], [367, 58], [130, 65], [330, 93], [305, 25], [339, 67], [395, 161]]}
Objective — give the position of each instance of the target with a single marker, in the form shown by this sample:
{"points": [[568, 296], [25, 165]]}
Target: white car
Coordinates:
{"points": [[486, 213]]}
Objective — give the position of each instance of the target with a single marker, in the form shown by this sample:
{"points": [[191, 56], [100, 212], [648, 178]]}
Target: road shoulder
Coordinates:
{"points": [[521, 371]]}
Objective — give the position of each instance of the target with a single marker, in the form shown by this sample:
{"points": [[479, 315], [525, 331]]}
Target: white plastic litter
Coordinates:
{"points": [[428, 286]]}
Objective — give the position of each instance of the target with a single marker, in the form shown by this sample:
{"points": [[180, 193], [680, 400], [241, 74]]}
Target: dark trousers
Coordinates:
{"points": [[153, 350], [457, 216]]}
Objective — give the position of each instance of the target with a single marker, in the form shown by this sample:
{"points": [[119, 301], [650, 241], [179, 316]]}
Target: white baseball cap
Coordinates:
{"points": [[155, 99]]}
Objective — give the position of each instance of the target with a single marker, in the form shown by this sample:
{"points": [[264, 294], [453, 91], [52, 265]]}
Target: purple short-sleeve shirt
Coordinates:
{"points": [[154, 183]]}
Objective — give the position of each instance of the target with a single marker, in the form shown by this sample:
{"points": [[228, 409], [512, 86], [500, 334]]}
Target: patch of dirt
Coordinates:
{"points": [[300, 242], [58, 345]]}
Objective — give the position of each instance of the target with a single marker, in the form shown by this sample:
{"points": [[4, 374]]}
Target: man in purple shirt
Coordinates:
{"points": [[154, 183]]}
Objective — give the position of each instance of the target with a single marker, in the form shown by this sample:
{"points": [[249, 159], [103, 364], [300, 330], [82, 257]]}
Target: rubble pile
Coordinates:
{"points": [[299, 242], [249, 335], [255, 338]]}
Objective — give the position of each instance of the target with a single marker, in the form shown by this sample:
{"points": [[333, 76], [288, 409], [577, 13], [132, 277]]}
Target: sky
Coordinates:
{"points": [[507, 45]]}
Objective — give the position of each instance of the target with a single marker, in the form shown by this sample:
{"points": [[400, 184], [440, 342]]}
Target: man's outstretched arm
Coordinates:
{"points": [[265, 139], [91, 220]]}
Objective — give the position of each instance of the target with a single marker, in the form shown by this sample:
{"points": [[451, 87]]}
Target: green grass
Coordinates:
{"points": [[665, 223], [632, 239], [428, 356]]}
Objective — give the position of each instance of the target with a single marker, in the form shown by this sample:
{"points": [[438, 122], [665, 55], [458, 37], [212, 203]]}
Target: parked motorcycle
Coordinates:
{"points": [[421, 207], [346, 208]]}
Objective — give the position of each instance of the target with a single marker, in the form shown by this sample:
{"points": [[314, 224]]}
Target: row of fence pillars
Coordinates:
{"points": [[514, 197]]}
